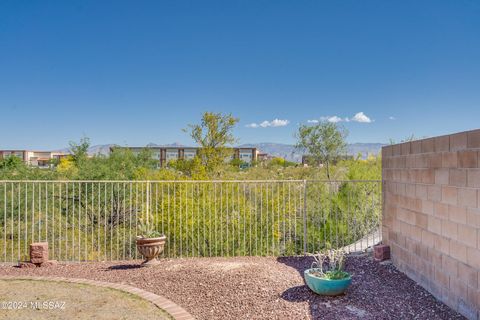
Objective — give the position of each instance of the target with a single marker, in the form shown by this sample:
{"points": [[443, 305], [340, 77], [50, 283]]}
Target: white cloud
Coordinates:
{"points": [[266, 124], [333, 119], [279, 123], [391, 118], [361, 117]]}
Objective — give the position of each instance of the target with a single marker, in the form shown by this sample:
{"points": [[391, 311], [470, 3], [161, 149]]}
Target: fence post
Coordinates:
{"points": [[148, 202], [305, 217]]}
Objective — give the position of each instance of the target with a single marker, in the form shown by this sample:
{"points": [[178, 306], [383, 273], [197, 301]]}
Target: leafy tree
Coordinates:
{"points": [[280, 162], [13, 168], [79, 150], [214, 135], [11, 163], [238, 164], [193, 168], [145, 159], [121, 164], [277, 161], [359, 169], [67, 168], [324, 142]]}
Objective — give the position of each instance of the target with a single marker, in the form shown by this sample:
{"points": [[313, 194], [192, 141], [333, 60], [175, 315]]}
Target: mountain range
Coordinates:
{"points": [[290, 153], [286, 151]]}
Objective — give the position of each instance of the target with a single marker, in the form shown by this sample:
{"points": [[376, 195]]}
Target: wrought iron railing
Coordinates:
{"points": [[99, 220]]}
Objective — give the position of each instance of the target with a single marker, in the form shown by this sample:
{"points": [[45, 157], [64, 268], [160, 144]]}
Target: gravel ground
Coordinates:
{"points": [[264, 288]]}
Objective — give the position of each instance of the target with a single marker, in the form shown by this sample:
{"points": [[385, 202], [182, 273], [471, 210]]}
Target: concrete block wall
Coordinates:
{"points": [[431, 215]]}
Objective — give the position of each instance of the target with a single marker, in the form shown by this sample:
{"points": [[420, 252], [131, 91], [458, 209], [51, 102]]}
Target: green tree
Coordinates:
{"points": [[11, 163], [145, 159], [324, 142], [214, 135], [79, 150], [193, 169]]}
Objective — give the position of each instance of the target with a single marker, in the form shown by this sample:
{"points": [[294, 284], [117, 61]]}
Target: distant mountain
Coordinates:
{"points": [[286, 151], [102, 149], [365, 149]]}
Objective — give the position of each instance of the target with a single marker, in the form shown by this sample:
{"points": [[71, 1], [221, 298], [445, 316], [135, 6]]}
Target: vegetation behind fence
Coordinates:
{"points": [[99, 220]]}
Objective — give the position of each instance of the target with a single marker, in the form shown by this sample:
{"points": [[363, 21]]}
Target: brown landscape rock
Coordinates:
{"points": [[49, 263], [26, 264], [39, 252]]}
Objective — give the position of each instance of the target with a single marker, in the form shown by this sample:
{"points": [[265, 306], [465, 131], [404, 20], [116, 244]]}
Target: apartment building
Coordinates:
{"points": [[41, 159], [165, 154]]}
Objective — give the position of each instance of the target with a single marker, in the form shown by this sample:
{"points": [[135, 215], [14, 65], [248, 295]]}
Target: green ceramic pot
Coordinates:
{"points": [[326, 287]]}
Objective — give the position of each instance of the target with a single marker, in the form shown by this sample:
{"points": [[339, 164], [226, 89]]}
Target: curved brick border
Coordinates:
{"points": [[166, 305]]}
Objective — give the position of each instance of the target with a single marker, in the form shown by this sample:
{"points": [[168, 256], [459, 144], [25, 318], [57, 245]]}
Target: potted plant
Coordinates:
{"points": [[150, 244], [327, 275]]}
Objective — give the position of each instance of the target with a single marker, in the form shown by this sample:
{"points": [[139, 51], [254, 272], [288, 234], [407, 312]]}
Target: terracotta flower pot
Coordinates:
{"points": [[150, 248]]}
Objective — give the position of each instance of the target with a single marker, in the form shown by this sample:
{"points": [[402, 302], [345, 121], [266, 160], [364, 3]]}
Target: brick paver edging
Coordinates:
{"points": [[166, 305]]}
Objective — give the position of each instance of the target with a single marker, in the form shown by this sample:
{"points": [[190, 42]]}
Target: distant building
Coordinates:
{"points": [[165, 154], [40, 159]]}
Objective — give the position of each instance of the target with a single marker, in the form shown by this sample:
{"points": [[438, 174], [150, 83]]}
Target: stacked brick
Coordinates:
{"points": [[431, 216]]}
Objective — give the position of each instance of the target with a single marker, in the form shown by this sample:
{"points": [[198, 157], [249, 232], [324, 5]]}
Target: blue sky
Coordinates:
{"points": [[134, 72]]}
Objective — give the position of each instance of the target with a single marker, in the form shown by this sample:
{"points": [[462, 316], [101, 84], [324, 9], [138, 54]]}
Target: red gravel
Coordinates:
{"points": [[264, 288]]}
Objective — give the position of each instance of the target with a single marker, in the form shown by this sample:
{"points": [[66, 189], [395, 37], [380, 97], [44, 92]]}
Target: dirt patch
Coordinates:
{"points": [[33, 299], [264, 288], [227, 266]]}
